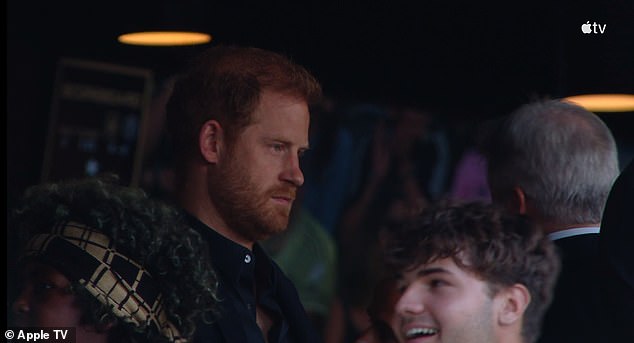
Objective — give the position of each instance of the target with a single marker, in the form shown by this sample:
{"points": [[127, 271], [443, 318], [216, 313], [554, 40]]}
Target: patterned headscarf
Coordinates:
{"points": [[90, 258]]}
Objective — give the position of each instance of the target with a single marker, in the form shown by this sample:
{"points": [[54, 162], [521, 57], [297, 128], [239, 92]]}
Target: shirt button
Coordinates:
{"points": [[247, 258]]}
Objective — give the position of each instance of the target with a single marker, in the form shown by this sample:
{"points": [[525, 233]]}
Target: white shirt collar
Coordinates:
{"points": [[573, 232]]}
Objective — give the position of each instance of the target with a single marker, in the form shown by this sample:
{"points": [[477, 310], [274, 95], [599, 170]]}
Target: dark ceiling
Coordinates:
{"points": [[466, 57], [431, 51]]}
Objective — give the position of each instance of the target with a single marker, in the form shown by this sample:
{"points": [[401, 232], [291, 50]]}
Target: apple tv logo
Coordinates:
{"points": [[588, 28]]}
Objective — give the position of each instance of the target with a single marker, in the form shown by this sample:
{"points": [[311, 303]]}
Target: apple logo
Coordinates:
{"points": [[585, 28]]}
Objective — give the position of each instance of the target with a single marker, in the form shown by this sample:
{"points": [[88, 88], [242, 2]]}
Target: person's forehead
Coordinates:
{"points": [[274, 98], [281, 115], [446, 265], [34, 268]]}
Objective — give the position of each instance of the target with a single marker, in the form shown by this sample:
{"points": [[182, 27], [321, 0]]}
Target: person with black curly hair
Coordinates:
{"points": [[110, 262], [470, 272]]}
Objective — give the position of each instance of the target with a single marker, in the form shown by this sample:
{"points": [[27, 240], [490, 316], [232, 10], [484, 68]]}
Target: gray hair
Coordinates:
{"points": [[562, 156]]}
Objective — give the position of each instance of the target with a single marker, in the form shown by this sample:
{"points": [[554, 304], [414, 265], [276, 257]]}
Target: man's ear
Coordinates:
{"points": [[211, 140], [518, 201], [514, 301]]}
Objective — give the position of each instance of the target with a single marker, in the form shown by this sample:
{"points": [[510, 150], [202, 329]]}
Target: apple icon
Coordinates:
{"points": [[585, 28]]}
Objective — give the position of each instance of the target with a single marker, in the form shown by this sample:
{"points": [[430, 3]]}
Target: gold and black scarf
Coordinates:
{"points": [[90, 258]]}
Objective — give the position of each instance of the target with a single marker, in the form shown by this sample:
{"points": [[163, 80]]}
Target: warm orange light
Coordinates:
{"points": [[604, 102], [165, 38]]}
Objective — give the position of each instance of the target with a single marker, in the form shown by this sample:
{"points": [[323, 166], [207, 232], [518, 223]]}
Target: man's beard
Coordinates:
{"points": [[244, 206]]}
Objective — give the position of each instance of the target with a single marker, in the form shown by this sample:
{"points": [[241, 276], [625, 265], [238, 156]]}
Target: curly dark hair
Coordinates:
{"points": [[148, 231], [500, 248]]}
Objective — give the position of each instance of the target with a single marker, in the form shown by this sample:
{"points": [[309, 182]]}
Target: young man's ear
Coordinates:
{"points": [[518, 201], [514, 301], [211, 140]]}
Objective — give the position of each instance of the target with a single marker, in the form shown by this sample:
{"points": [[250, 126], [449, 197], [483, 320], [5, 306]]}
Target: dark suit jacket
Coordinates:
{"points": [[575, 313], [617, 259], [594, 296]]}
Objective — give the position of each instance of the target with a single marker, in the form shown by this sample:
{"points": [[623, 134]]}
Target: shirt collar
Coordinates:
{"points": [[573, 232], [228, 257]]}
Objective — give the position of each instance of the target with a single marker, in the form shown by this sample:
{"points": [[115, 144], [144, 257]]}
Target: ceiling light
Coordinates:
{"points": [[165, 38], [604, 102]]}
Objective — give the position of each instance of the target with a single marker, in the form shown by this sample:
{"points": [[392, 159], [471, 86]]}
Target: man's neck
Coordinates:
{"points": [[211, 217], [195, 200], [510, 336]]}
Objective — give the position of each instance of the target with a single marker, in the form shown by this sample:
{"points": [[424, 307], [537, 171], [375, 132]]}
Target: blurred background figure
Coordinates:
{"points": [[157, 176], [469, 179], [381, 313], [391, 189], [340, 138]]}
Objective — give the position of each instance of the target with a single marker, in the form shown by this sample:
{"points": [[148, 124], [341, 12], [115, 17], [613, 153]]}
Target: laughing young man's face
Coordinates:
{"points": [[440, 302]]}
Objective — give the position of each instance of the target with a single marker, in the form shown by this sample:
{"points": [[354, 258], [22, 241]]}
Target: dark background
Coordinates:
{"points": [[469, 59]]}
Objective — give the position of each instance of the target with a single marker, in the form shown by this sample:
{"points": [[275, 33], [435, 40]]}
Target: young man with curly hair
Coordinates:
{"points": [[470, 273]]}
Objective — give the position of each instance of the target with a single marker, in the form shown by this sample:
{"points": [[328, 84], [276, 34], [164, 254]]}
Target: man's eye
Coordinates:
{"points": [[278, 147], [437, 283], [41, 287]]}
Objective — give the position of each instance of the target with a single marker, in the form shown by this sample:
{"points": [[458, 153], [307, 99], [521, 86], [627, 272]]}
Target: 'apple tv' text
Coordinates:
{"points": [[588, 28]]}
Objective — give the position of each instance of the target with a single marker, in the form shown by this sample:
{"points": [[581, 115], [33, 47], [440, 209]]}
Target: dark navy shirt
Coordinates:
{"points": [[249, 278]]}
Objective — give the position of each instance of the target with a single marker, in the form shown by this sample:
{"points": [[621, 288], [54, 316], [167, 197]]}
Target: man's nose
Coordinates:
{"points": [[292, 172]]}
